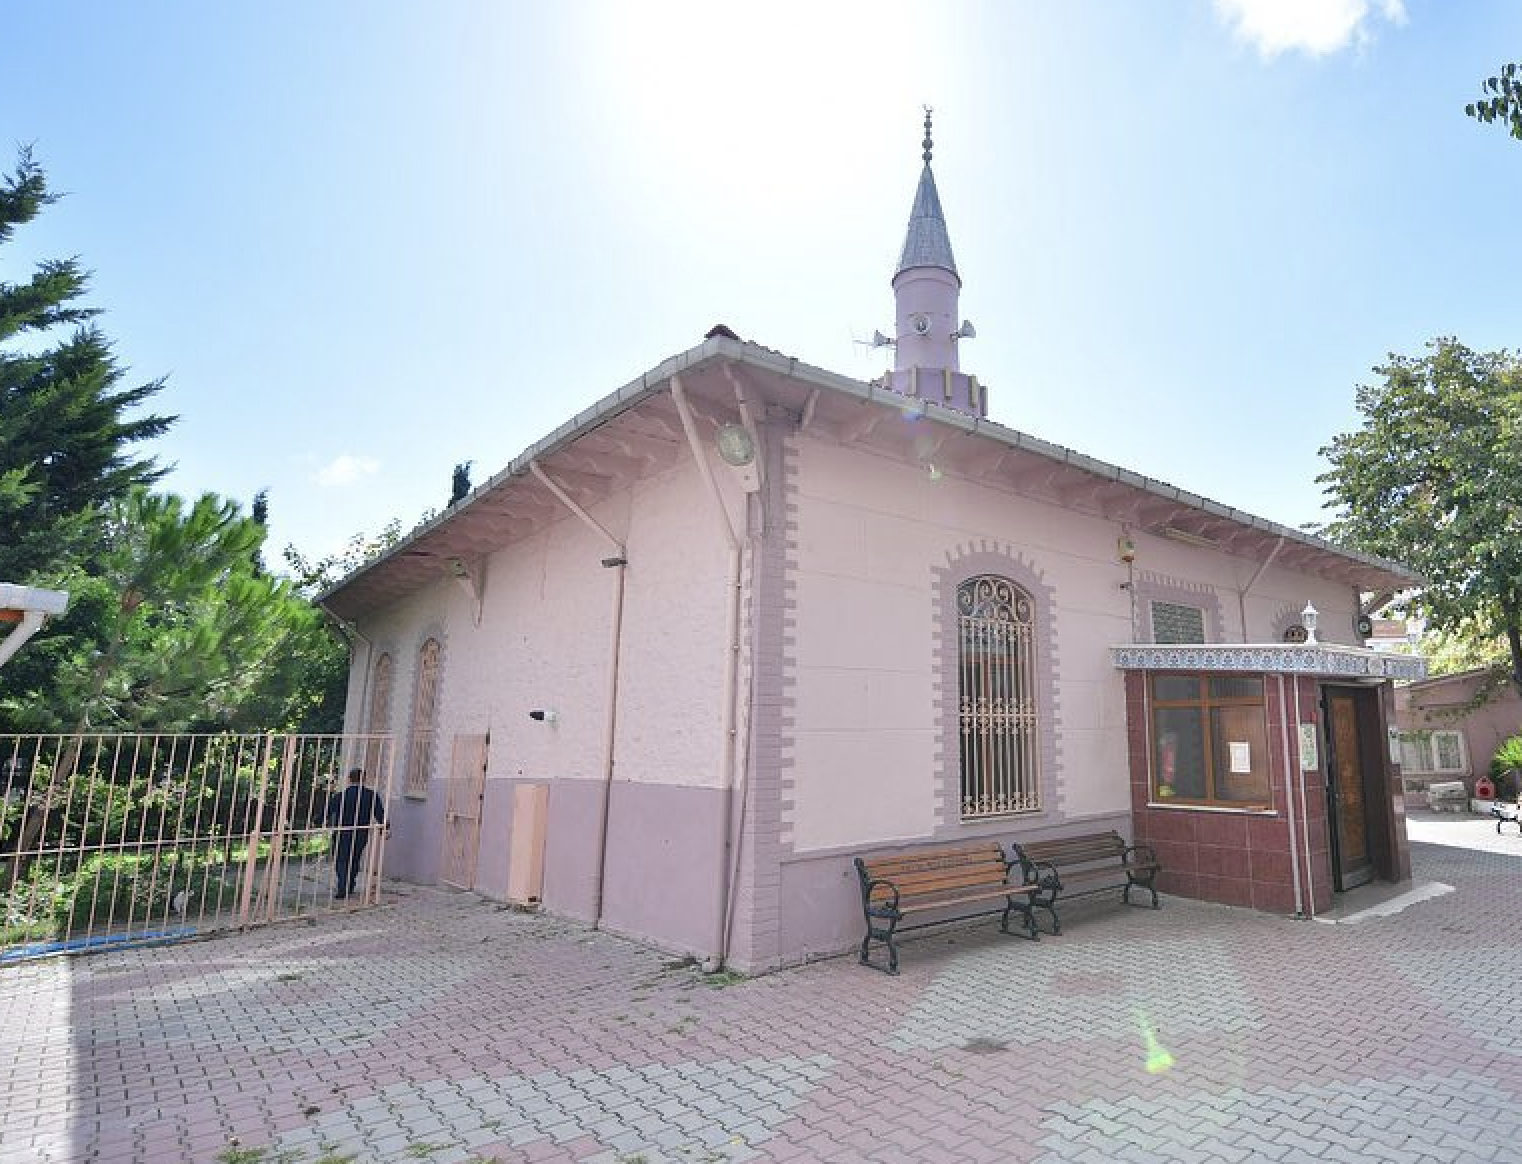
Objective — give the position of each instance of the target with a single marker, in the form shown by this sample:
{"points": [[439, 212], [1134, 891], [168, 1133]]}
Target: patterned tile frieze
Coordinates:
{"points": [[1270, 658]]}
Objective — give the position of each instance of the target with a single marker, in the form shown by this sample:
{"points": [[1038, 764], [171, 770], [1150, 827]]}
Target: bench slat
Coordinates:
{"points": [[982, 866], [947, 858], [1076, 849], [910, 889], [922, 904]]}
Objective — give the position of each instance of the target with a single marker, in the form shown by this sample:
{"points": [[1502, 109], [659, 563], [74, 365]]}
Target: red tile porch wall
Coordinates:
{"points": [[1238, 858]]}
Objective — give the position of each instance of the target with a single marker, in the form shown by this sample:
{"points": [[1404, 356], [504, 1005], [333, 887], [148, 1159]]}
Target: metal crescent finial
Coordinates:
{"points": [[927, 143]]}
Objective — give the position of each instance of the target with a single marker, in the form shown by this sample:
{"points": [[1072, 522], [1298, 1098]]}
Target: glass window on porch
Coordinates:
{"points": [[1209, 741]]}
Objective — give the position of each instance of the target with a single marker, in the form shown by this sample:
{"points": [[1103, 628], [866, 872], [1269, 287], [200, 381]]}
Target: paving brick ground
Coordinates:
{"points": [[443, 1028]]}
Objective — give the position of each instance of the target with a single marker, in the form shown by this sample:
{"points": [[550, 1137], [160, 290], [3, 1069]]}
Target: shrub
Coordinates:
{"points": [[1506, 767], [111, 891]]}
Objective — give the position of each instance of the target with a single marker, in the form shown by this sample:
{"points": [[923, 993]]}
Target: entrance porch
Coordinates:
{"points": [[1267, 775]]}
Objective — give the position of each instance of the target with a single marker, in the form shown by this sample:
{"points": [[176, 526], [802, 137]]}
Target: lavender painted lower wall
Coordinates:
{"points": [[820, 909], [570, 848], [664, 856], [417, 837], [659, 884]]}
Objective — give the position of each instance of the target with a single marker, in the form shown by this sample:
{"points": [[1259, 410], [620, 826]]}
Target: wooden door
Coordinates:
{"points": [[1347, 804], [462, 811]]}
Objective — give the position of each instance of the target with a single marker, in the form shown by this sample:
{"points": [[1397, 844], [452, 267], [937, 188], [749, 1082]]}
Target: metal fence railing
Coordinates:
{"points": [[106, 839]]}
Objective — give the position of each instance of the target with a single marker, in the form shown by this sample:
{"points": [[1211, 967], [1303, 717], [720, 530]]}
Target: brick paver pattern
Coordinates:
{"points": [[444, 1028]]}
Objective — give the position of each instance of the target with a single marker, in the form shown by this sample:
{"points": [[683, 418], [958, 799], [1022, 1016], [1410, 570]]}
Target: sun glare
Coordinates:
{"points": [[741, 88]]}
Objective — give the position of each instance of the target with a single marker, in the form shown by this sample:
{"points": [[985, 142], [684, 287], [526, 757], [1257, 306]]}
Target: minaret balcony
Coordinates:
{"points": [[942, 386]]}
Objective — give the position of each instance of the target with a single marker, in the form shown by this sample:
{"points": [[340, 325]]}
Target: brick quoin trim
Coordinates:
{"points": [[773, 555]]}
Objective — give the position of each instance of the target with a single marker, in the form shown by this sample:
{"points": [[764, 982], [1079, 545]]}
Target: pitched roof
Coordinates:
{"points": [[635, 432]]}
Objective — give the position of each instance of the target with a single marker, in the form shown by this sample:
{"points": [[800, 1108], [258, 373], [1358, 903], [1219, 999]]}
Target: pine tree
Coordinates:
{"points": [[67, 421]]}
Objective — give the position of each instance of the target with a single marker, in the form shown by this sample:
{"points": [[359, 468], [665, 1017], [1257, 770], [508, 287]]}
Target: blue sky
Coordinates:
{"points": [[366, 241]]}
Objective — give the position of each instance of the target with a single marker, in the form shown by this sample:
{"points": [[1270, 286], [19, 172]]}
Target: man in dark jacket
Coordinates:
{"points": [[350, 815]]}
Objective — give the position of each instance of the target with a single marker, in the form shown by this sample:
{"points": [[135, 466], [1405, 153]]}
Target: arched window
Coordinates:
{"points": [[378, 721], [425, 700], [997, 699]]}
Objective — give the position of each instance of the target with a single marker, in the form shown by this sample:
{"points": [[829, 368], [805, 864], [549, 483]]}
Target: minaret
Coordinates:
{"points": [[926, 288]]}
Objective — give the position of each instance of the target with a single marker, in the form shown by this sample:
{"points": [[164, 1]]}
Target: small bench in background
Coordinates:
{"points": [[940, 880], [1507, 814], [1083, 866]]}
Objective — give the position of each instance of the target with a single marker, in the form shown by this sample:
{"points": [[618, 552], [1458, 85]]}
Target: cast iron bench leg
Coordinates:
{"points": [[1144, 883], [884, 936], [1012, 904]]}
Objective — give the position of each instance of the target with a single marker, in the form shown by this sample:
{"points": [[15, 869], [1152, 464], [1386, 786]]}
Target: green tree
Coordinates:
{"points": [[180, 629], [173, 621], [1500, 100], [459, 482], [1464, 648], [67, 422], [1433, 478], [315, 576]]}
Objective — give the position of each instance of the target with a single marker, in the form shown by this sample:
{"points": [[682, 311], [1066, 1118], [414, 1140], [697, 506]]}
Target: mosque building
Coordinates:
{"points": [[744, 619]]}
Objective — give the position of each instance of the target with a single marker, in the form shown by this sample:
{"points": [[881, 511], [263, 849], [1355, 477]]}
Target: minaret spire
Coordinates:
{"points": [[927, 243], [926, 290]]}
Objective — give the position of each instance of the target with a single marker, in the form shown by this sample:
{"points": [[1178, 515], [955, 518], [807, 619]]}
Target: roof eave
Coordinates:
{"points": [[657, 379]]}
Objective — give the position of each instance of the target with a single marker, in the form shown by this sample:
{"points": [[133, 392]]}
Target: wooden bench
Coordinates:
{"points": [[943, 879], [1082, 866]]}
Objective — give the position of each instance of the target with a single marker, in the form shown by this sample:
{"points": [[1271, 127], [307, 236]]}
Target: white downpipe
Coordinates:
{"points": [[35, 605], [618, 562], [1291, 765], [731, 677], [351, 634], [1310, 884], [745, 707]]}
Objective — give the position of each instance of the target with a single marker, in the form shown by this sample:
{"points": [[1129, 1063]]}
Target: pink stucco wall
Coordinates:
{"points": [[876, 546], [871, 534], [542, 641]]}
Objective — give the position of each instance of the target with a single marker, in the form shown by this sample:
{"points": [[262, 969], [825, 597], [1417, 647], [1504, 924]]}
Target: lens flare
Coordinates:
{"points": [[1159, 1058]]}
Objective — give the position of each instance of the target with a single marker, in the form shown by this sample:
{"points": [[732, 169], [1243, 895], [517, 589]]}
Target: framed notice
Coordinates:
{"points": [[1241, 757], [1308, 759]]}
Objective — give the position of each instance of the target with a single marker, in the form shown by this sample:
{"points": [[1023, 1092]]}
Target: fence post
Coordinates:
{"points": [[245, 898], [274, 872]]}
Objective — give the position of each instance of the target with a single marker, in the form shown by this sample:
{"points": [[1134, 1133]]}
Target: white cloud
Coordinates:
{"points": [[346, 469], [1315, 27]]}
